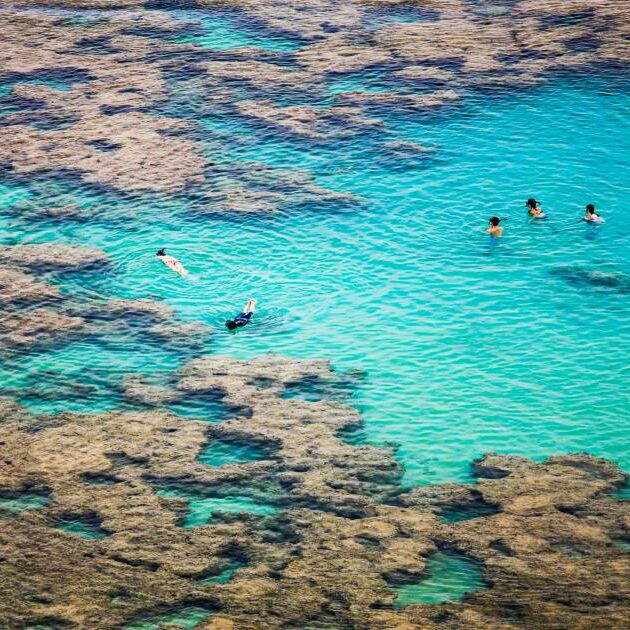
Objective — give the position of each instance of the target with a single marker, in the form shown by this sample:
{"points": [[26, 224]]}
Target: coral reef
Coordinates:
{"points": [[344, 535], [37, 314], [336, 532], [308, 121], [53, 256], [114, 131]]}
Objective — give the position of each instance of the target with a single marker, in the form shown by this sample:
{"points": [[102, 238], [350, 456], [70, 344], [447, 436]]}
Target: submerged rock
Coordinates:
{"points": [[54, 256], [337, 54], [334, 552], [403, 149], [36, 328], [309, 121], [137, 389], [120, 308], [417, 102], [19, 287], [582, 276], [180, 333]]}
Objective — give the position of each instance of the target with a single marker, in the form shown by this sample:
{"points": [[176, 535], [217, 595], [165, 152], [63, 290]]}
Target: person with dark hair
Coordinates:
{"points": [[591, 216], [534, 210], [244, 317], [495, 230], [172, 263]]}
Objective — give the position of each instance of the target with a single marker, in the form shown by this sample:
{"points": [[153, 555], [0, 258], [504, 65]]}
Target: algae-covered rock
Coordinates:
{"points": [[36, 328], [19, 287], [332, 554], [53, 256]]}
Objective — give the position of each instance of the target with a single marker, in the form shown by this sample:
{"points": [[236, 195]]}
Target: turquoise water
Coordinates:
{"points": [[219, 453], [82, 529], [223, 577], [26, 501], [226, 30], [469, 346], [449, 577], [201, 509], [185, 618]]}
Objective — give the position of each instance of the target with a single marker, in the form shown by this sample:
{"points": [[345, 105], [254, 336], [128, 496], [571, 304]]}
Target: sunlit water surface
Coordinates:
{"points": [[468, 346]]}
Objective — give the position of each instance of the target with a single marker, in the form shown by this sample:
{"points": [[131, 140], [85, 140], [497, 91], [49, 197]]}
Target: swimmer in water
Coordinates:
{"points": [[495, 230], [591, 216], [534, 210], [244, 317], [172, 263]]}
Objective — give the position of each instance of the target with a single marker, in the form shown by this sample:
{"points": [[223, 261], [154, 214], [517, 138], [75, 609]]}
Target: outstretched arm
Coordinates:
{"points": [[250, 307]]}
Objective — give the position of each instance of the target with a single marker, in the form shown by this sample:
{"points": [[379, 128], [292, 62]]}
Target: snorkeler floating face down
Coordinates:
{"points": [[244, 317], [172, 263]]}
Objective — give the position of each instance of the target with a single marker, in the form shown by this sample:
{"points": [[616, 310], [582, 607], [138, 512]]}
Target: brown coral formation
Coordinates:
{"points": [[344, 534], [548, 537], [101, 106], [35, 314], [107, 128], [308, 121], [53, 256]]}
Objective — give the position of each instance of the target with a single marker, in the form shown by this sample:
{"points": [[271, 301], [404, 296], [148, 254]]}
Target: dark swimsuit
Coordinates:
{"points": [[242, 319]]}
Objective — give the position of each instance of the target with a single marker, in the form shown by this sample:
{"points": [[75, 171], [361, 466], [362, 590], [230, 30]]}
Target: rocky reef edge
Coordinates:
{"points": [[338, 534]]}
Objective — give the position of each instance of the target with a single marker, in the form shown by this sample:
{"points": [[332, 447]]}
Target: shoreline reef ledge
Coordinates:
{"points": [[548, 537]]}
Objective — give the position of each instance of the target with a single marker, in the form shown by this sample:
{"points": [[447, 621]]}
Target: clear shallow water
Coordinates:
{"points": [[449, 577], [227, 30], [221, 453], [26, 501], [186, 618], [82, 529], [222, 578], [201, 509], [468, 346]]}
